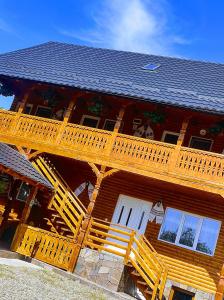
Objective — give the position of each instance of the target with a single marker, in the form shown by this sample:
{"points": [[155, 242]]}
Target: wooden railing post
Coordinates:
{"points": [[116, 129], [220, 288], [128, 251], [86, 220], [22, 106], [180, 141], [67, 117]]}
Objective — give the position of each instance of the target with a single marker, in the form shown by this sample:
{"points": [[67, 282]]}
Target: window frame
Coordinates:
{"points": [[201, 138], [90, 117], [19, 190], [42, 106], [113, 120], [169, 132], [197, 234]]}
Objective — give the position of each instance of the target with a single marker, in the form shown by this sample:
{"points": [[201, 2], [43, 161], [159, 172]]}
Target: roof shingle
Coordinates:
{"points": [[180, 82], [15, 161]]}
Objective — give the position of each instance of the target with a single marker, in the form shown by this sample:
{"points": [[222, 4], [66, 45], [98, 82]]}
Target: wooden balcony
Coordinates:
{"points": [[180, 165]]}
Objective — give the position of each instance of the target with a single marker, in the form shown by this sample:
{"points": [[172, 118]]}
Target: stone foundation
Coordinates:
{"points": [[199, 295], [100, 267]]}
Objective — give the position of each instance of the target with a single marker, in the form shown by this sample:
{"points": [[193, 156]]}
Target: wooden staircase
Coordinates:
{"points": [[65, 215], [65, 210]]}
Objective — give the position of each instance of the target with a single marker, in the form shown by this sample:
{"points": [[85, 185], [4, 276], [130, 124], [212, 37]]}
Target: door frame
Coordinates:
{"points": [[175, 288]]}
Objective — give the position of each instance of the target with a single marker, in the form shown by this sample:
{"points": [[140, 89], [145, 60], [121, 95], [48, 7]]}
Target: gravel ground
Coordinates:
{"points": [[26, 283]]}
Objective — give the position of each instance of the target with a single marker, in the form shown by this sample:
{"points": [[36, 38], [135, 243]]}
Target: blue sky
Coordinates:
{"points": [[185, 28]]}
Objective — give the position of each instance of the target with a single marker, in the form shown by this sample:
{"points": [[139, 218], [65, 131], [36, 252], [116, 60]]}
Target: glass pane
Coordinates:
{"points": [[208, 236], [201, 144], [24, 192], [171, 138], [189, 230], [89, 122], [170, 225]]}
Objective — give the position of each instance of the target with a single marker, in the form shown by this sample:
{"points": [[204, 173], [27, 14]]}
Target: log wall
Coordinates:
{"points": [[188, 267]]}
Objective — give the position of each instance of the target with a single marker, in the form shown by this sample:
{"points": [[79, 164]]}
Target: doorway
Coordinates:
{"points": [[180, 294]]}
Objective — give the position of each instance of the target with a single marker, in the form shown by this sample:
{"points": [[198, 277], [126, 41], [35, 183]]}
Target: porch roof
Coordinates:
{"points": [[184, 83], [16, 164]]}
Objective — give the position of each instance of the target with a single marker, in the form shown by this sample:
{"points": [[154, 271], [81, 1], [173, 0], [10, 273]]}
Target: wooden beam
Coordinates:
{"points": [[34, 154], [183, 131], [21, 150], [119, 119], [28, 205], [87, 218], [24, 100], [94, 168]]}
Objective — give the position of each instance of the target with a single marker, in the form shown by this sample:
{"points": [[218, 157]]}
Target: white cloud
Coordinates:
{"points": [[134, 25], [4, 26]]}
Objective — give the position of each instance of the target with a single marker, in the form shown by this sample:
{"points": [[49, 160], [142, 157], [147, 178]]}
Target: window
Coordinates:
{"points": [[90, 121], [109, 125], [24, 191], [178, 293], [200, 143], [170, 137], [43, 111], [151, 67], [190, 231]]}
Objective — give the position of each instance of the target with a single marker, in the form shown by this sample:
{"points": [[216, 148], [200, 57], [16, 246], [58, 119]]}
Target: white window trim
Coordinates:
{"points": [[42, 106], [169, 132], [90, 117], [195, 136], [193, 248]]}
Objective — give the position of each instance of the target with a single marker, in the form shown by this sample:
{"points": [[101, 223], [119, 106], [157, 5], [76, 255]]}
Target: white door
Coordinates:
{"points": [[132, 212]]}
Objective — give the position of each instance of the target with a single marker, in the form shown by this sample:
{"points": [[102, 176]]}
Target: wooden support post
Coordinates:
{"points": [[24, 101], [179, 144], [28, 205], [87, 218], [67, 116], [119, 119], [220, 288], [116, 128]]}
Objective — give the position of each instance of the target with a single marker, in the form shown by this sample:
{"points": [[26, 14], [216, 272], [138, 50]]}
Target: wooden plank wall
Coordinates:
{"points": [[188, 267]]}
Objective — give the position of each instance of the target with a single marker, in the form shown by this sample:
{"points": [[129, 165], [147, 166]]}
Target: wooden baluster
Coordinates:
{"points": [[175, 154], [67, 117], [220, 288]]}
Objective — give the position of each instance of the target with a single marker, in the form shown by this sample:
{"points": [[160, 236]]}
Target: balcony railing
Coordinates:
{"points": [[124, 152]]}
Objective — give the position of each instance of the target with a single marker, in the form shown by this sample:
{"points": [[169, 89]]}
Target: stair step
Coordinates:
{"points": [[147, 291], [60, 222], [135, 273], [142, 282], [56, 215], [65, 229]]}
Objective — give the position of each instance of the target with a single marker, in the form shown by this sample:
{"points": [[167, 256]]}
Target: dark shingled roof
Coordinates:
{"points": [[180, 82], [12, 159]]}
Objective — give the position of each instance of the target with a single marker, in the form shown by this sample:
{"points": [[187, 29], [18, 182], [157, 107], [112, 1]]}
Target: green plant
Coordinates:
{"points": [[155, 116]]}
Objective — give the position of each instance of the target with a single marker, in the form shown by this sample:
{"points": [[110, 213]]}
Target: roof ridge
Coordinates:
{"points": [[117, 50]]}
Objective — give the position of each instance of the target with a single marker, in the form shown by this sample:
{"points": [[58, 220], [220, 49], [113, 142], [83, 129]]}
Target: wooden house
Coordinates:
{"points": [[133, 146]]}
